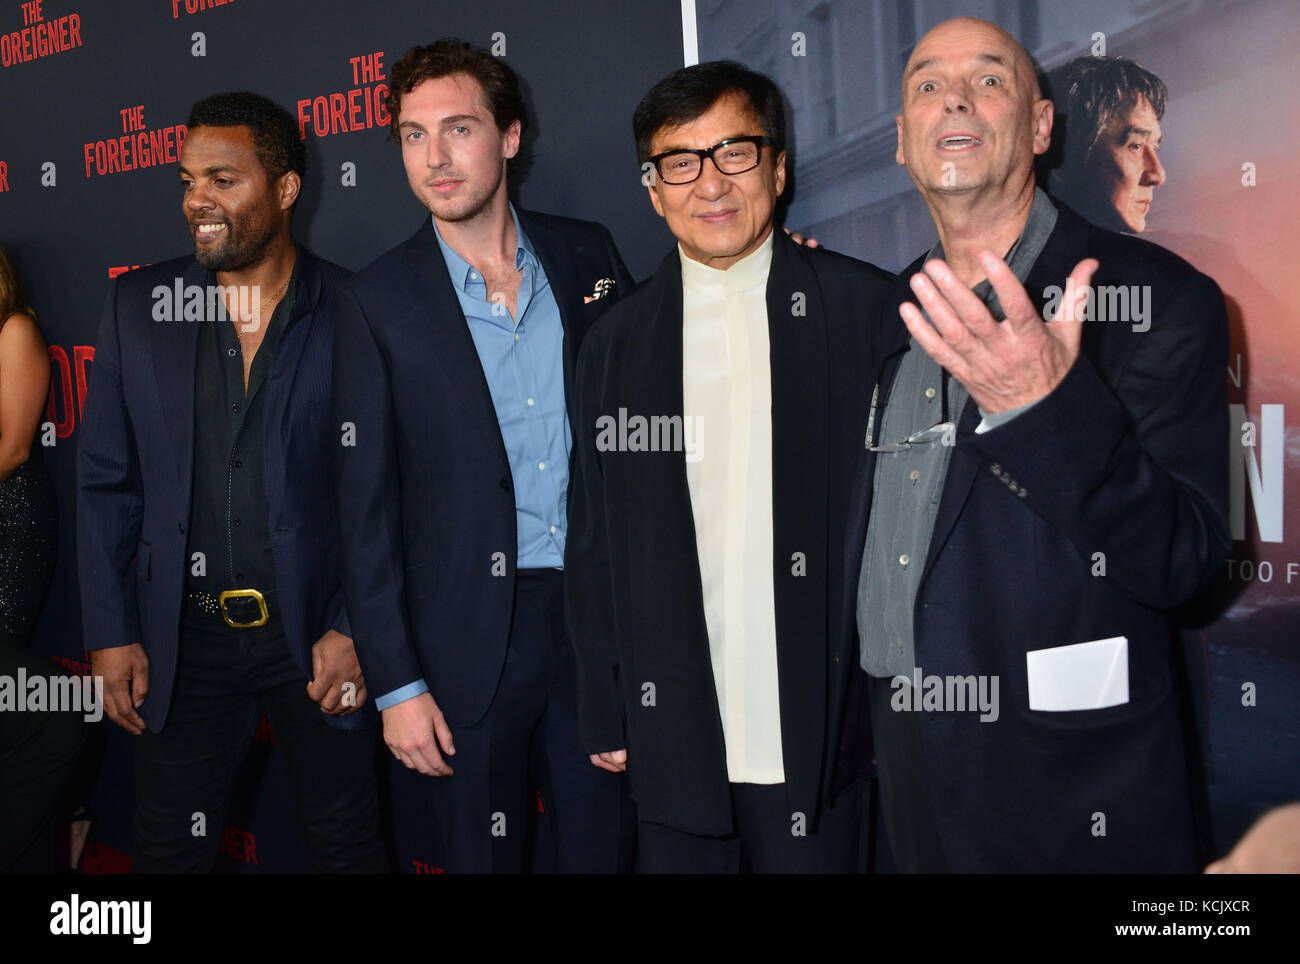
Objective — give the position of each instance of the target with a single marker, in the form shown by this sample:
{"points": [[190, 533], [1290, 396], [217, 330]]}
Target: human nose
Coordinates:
{"points": [[437, 154], [712, 183], [197, 199], [957, 99], [1153, 170]]}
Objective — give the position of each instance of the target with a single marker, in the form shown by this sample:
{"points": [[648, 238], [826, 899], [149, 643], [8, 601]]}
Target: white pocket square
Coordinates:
{"points": [[1081, 676]]}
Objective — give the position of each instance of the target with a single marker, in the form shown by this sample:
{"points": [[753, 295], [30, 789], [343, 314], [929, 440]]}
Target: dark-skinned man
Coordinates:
{"points": [[207, 535]]}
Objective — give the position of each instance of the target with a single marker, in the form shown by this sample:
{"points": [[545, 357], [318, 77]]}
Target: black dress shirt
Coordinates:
{"points": [[228, 515]]}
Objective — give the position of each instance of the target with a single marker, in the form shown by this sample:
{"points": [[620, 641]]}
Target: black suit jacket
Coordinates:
{"points": [[1126, 458], [427, 500], [135, 471], [636, 610]]}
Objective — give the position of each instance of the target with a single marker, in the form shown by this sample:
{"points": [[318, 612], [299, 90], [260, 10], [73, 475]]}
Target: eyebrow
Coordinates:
{"points": [[981, 58], [1139, 132], [214, 169], [729, 137]]}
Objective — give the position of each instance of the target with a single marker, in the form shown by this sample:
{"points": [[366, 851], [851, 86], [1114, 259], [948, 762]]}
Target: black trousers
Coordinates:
{"points": [[530, 735], [767, 839], [225, 677], [905, 801]]}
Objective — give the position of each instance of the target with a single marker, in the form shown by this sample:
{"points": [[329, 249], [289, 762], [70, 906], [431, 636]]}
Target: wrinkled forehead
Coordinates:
{"points": [[959, 44]]}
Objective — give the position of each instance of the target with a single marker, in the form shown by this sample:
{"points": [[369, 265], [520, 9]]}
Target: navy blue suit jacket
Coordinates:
{"points": [[135, 470], [1125, 457], [426, 497]]}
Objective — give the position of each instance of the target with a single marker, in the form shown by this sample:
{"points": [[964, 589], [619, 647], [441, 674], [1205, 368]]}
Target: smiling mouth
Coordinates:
{"points": [[208, 229], [957, 142]]}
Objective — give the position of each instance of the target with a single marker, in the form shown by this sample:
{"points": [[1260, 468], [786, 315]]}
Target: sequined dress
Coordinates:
{"points": [[28, 544]]}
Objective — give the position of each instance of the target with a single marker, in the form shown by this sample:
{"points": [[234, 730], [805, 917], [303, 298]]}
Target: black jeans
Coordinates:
{"points": [[225, 677]]}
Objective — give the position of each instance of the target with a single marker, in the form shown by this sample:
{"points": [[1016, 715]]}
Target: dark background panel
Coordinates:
{"points": [[584, 65]]}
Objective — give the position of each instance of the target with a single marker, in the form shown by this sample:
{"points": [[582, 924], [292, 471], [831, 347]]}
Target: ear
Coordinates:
{"points": [[780, 174], [510, 138], [290, 185], [898, 152], [1044, 112], [655, 202]]}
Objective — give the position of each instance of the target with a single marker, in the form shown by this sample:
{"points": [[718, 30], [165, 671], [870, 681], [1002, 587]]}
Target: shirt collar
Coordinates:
{"points": [[460, 269], [746, 273], [1022, 255]]}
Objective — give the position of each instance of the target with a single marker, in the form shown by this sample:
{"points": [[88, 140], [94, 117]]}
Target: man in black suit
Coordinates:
{"points": [[453, 371], [718, 410], [207, 538], [1044, 478]]}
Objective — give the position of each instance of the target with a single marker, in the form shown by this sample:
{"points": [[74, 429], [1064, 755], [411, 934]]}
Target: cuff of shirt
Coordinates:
{"points": [[402, 694], [990, 422]]}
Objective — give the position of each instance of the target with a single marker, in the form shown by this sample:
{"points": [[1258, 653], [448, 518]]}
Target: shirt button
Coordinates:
{"points": [[234, 522], [914, 475], [234, 408], [904, 559], [473, 276], [542, 466], [516, 336], [238, 464], [553, 530], [230, 352], [530, 402], [929, 393]]}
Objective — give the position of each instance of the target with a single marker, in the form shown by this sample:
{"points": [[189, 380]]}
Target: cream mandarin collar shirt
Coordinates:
{"points": [[727, 394]]}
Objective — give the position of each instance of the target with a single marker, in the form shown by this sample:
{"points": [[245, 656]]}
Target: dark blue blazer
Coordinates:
{"points": [[1125, 457], [135, 471], [426, 498]]}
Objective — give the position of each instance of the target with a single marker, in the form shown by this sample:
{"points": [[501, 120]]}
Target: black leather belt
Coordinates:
{"points": [[238, 608]]}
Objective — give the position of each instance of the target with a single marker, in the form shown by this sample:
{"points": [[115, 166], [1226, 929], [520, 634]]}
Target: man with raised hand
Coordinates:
{"points": [[1038, 488]]}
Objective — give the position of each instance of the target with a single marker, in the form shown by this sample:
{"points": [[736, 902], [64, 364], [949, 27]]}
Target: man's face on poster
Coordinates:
{"points": [[1128, 165]]}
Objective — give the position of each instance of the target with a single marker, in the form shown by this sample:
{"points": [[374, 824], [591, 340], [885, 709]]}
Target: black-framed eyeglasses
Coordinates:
{"points": [[735, 155]]}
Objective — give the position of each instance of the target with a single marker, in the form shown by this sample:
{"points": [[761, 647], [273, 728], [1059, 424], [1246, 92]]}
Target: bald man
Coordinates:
{"points": [[1033, 497]]}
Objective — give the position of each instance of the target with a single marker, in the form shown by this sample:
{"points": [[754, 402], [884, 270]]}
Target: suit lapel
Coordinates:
{"points": [[440, 318], [1064, 248], [562, 274], [175, 354], [800, 416]]}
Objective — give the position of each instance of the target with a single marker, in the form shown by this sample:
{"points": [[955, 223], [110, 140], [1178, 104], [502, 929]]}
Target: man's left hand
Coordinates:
{"points": [[334, 664], [1002, 365]]}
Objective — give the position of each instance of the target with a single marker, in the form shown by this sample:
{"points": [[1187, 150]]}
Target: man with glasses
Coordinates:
{"points": [[720, 407]]}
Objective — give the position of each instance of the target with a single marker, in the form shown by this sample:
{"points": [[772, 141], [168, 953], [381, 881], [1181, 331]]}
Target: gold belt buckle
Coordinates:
{"points": [[235, 594]]}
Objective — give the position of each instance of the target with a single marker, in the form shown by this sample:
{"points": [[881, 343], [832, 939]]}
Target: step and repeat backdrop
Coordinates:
{"points": [[95, 96], [95, 99]]}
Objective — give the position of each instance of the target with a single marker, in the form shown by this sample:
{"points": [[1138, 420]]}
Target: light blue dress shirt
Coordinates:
{"points": [[523, 361]]}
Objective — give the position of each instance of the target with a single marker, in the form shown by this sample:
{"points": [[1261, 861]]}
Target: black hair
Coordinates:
{"points": [[688, 93], [276, 142]]}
